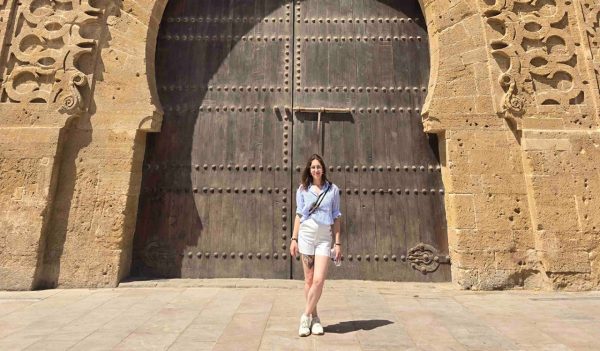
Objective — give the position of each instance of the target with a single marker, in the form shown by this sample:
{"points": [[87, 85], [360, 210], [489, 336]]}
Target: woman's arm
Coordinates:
{"points": [[336, 230], [294, 243], [335, 213], [299, 208], [296, 226], [337, 235]]}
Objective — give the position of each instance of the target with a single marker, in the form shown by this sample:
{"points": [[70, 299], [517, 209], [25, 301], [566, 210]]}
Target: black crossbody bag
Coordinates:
{"points": [[317, 203]]}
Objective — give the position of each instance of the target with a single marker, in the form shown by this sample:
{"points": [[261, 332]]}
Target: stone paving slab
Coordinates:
{"points": [[255, 314]]}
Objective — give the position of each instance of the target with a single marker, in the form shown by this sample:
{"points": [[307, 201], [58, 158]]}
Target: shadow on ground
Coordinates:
{"points": [[350, 326]]}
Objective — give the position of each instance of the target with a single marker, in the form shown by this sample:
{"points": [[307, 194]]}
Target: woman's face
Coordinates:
{"points": [[316, 170]]}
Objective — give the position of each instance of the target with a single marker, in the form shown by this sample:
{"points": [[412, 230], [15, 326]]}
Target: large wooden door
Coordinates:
{"points": [[239, 82]]}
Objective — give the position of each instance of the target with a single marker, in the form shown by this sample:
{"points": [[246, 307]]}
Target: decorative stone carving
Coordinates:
{"points": [[69, 97], [533, 42], [44, 64], [512, 101], [591, 14]]}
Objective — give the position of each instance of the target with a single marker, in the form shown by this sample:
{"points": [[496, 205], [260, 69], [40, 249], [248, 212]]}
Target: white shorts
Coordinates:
{"points": [[314, 238]]}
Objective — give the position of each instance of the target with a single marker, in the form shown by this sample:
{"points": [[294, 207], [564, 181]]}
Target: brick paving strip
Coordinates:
{"points": [[251, 314]]}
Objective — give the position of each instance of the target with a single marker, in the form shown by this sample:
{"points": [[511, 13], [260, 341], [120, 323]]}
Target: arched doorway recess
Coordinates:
{"points": [[249, 90]]}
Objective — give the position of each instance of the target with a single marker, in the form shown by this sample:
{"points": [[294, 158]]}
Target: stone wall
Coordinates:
{"points": [[513, 96], [75, 106]]}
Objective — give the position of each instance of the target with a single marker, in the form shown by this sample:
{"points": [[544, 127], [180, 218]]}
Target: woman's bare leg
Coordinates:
{"points": [[319, 273], [308, 265]]}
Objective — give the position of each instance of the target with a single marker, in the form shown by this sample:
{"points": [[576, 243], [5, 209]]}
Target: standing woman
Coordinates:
{"points": [[317, 213]]}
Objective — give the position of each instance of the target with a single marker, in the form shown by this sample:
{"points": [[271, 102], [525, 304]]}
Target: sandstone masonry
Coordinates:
{"points": [[514, 98]]}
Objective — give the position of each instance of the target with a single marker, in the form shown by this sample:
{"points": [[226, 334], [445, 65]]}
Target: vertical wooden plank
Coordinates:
{"points": [[261, 233], [210, 124], [197, 208], [202, 132], [351, 233], [351, 142], [381, 160], [297, 45], [232, 235], [265, 234], [363, 146]]}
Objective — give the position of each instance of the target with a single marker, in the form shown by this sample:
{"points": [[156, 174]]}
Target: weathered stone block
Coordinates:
{"points": [[566, 262], [515, 259], [501, 212], [493, 162], [465, 240], [554, 210], [500, 279], [504, 183], [524, 239], [465, 278], [460, 183], [546, 144], [461, 211], [565, 252], [480, 259]]}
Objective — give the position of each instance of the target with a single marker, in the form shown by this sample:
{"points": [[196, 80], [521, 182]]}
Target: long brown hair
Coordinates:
{"points": [[307, 177]]}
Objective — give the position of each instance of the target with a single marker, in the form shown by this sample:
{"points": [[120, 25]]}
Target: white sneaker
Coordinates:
{"points": [[304, 329], [317, 328]]}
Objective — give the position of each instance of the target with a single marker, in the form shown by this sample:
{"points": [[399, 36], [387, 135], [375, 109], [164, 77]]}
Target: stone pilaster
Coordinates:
{"points": [[28, 158], [91, 229], [489, 231]]}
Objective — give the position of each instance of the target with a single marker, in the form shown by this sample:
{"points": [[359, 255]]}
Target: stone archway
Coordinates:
{"points": [[445, 22], [486, 173]]}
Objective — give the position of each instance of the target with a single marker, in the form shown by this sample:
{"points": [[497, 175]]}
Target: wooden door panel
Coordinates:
{"points": [[371, 58], [215, 195]]}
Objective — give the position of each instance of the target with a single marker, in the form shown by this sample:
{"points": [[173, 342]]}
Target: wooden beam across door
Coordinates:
{"points": [[319, 111]]}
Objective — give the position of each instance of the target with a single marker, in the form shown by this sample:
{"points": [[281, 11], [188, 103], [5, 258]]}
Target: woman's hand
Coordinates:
{"points": [[338, 252], [294, 248]]}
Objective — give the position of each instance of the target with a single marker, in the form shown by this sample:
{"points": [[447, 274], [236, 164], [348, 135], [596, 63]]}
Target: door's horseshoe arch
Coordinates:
{"points": [[439, 15], [215, 101]]}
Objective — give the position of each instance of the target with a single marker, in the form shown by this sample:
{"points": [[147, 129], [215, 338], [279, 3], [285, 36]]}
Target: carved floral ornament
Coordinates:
{"points": [[45, 52], [533, 43]]}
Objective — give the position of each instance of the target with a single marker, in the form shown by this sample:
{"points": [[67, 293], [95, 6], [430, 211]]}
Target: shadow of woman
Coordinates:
{"points": [[351, 326]]}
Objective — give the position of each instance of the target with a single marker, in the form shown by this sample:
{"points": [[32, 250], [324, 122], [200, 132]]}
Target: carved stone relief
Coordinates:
{"points": [[47, 46], [6, 10], [535, 44], [591, 14]]}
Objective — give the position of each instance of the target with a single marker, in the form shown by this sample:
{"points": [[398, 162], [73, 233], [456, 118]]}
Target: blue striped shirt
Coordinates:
{"points": [[329, 209]]}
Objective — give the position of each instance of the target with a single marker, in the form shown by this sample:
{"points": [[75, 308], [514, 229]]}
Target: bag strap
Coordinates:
{"points": [[319, 200]]}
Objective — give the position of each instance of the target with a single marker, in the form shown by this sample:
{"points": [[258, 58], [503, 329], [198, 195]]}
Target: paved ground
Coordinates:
{"points": [[263, 315]]}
